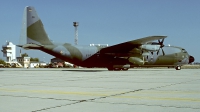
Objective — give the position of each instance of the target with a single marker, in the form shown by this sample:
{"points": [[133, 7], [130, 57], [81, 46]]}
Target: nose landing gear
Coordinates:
{"points": [[178, 67]]}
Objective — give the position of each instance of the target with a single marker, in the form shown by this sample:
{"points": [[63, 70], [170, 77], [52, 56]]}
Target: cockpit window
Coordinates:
{"points": [[184, 51]]}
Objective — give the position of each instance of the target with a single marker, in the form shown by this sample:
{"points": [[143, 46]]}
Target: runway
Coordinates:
{"points": [[99, 90]]}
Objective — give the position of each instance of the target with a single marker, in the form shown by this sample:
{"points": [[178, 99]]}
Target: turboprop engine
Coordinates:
{"points": [[136, 61]]}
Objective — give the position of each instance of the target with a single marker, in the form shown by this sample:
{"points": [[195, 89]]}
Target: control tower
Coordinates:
{"points": [[75, 24], [9, 51]]}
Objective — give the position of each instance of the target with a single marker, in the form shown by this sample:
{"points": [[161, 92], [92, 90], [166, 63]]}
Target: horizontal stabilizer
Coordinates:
{"points": [[30, 46]]}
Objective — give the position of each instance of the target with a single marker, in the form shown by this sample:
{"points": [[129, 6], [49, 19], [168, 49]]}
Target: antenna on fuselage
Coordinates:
{"points": [[75, 24]]}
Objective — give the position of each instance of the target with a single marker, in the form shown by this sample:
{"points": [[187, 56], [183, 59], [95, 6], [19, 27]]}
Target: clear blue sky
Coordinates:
{"points": [[107, 21]]}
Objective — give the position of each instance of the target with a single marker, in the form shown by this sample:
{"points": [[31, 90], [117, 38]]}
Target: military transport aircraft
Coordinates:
{"points": [[143, 52]]}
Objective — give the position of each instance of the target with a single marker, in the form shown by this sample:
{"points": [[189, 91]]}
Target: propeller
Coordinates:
{"points": [[161, 45]]}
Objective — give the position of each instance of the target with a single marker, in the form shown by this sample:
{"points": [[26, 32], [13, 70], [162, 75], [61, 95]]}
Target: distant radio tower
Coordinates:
{"points": [[75, 24]]}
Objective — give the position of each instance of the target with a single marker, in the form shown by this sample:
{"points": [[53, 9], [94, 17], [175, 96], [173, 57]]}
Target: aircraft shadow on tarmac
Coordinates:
{"points": [[117, 71], [85, 70]]}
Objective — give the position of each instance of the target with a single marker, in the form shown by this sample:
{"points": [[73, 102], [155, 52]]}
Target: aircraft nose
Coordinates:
{"points": [[191, 59]]}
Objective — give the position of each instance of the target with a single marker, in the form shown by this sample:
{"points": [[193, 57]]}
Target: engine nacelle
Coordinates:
{"points": [[150, 47], [136, 61], [145, 54]]}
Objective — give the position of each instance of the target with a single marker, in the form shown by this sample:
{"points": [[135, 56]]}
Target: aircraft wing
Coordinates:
{"points": [[126, 47]]}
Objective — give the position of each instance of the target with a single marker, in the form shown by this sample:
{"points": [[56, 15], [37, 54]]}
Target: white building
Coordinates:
{"points": [[37, 64], [9, 51], [24, 61]]}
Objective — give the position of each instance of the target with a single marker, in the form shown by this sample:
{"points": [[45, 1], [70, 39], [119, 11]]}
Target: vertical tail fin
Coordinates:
{"points": [[32, 29]]}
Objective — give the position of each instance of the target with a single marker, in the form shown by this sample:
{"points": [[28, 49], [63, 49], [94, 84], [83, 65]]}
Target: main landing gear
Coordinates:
{"points": [[117, 69]]}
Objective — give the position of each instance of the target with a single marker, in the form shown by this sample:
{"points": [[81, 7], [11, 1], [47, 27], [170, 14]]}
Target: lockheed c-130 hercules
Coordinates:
{"points": [[143, 52]]}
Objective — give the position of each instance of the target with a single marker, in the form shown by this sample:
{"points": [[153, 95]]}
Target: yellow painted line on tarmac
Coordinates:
{"points": [[168, 92], [161, 98], [98, 94]]}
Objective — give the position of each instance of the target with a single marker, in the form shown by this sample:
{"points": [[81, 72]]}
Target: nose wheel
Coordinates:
{"points": [[178, 67]]}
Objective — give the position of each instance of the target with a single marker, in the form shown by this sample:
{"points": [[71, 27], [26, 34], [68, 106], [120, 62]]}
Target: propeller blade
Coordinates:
{"points": [[159, 41], [162, 41], [163, 52], [158, 51], [161, 45]]}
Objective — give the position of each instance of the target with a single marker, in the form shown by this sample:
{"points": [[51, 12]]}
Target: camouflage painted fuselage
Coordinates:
{"points": [[89, 56], [133, 53]]}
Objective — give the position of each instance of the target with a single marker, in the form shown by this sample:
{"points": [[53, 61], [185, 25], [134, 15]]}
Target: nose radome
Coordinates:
{"points": [[191, 59]]}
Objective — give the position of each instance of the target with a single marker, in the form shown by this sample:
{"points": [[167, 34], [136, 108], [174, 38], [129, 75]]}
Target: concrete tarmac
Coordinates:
{"points": [[99, 90]]}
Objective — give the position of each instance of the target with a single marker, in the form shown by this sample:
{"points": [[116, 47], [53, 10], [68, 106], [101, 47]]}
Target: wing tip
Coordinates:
{"points": [[163, 36]]}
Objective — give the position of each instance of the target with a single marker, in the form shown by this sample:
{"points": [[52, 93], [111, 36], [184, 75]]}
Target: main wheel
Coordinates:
{"points": [[124, 69], [117, 69]]}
